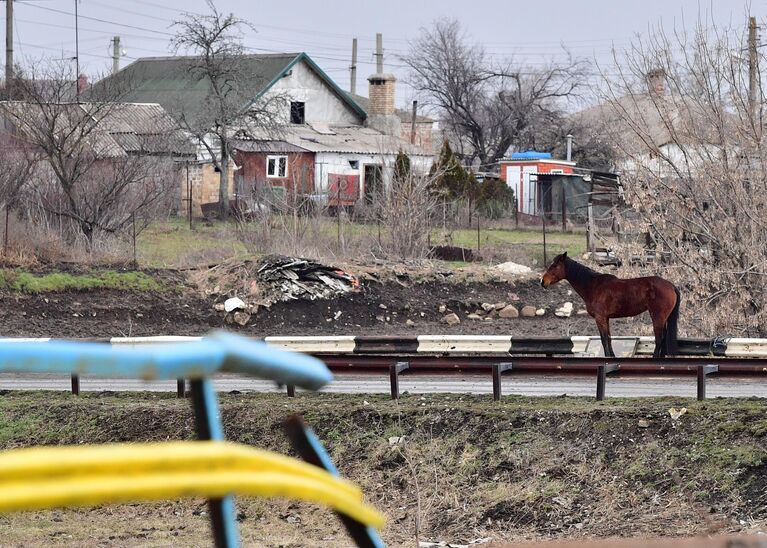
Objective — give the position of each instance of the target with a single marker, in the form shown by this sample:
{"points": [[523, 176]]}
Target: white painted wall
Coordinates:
{"points": [[338, 163], [322, 104]]}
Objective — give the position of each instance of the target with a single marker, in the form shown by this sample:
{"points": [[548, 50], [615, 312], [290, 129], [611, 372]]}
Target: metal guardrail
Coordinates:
{"points": [[456, 344], [492, 354]]}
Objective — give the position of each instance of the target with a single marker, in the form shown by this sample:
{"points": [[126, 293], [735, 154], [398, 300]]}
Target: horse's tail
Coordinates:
{"points": [[670, 335]]}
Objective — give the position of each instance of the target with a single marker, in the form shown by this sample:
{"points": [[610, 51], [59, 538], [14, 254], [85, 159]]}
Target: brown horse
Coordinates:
{"points": [[607, 296]]}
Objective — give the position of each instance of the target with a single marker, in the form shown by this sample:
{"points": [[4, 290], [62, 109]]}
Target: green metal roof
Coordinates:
{"points": [[170, 82]]}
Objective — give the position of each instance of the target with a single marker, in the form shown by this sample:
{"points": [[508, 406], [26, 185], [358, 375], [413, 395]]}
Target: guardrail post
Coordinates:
{"points": [[394, 370], [498, 369], [602, 372], [180, 388], [291, 391], [703, 372], [76, 385]]}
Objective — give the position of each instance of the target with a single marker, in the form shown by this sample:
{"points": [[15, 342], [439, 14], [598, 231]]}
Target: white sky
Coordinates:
{"points": [[531, 31]]}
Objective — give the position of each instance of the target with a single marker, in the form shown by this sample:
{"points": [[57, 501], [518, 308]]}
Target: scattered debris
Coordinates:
{"points": [[508, 312], [565, 311], [241, 318], [443, 544], [410, 323], [582, 312], [234, 303], [394, 440], [487, 307], [500, 306], [528, 311], [451, 319], [442, 309], [644, 423], [474, 317], [513, 268], [540, 312], [677, 413], [291, 278]]}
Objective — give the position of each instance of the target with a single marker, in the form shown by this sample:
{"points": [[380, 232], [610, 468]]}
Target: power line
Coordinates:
{"points": [[63, 12]]}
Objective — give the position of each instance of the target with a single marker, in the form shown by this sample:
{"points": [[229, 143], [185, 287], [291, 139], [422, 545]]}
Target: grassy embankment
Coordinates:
{"points": [[450, 467]]}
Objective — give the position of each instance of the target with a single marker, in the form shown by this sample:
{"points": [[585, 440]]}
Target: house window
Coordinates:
{"points": [[276, 166], [297, 112], [354, 164]]}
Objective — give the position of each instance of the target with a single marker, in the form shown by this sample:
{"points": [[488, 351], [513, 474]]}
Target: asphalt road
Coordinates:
{"points": [[522, 384]]}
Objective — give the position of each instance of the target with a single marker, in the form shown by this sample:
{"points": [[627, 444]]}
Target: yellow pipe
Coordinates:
{"points": [[95, 490], [132, 458]]}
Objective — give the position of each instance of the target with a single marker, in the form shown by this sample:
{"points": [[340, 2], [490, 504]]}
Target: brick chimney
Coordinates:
{"points": [[381, 93], [656, 81], [381, 110]]}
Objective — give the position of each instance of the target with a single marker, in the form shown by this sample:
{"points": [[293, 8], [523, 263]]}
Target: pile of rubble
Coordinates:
{"points": [[290, 279], [278, 278]]}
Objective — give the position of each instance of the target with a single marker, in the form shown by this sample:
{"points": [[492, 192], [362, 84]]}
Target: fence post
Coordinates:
{"points": [[291, 391], [180, 388], [394, 370], [76, 385], [602, 372], [703, 372], [498, 369]]}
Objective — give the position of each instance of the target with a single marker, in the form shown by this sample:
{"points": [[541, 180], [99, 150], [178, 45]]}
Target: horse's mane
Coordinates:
{"points": [[578, 272]]}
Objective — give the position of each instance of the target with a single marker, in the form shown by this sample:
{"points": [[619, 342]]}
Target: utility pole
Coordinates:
{"points": [[569, 147], [753, 69], [77, 55], [8, 46], [379, 53], [115, 55], [353, 85], [412, 123]]}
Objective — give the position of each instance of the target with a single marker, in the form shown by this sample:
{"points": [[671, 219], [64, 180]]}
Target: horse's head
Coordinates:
{"points": [[556, 271]]}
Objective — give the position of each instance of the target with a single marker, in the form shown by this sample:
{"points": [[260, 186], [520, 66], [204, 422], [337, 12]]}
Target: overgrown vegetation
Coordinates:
{"points": [[28, 282], [524, 468]]}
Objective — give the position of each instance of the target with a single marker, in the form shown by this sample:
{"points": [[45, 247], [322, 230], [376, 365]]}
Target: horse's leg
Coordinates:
{"points": [[659, 329], [659, 317], [603, 325]]}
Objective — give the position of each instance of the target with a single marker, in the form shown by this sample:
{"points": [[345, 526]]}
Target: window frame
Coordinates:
{"points": [[276, 158], [303, 112]]}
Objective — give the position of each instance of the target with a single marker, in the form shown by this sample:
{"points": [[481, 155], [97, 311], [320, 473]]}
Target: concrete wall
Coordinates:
{"points": [[322, 104]]}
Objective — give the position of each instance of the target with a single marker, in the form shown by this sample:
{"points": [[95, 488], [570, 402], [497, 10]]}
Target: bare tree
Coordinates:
{"points": [[488, 106], [82, 172], [215, 43], [695, 169]]}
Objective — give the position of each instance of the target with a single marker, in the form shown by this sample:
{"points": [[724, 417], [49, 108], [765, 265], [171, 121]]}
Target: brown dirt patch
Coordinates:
{"points": [[183, 310]]}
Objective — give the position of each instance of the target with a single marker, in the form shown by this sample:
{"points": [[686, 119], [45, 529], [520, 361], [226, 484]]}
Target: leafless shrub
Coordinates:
{"points": [[83, 174], [406, 209], [695, 170]]}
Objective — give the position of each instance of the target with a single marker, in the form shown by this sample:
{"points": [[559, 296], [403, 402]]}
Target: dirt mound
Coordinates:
{"points": [[392, 300]]}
